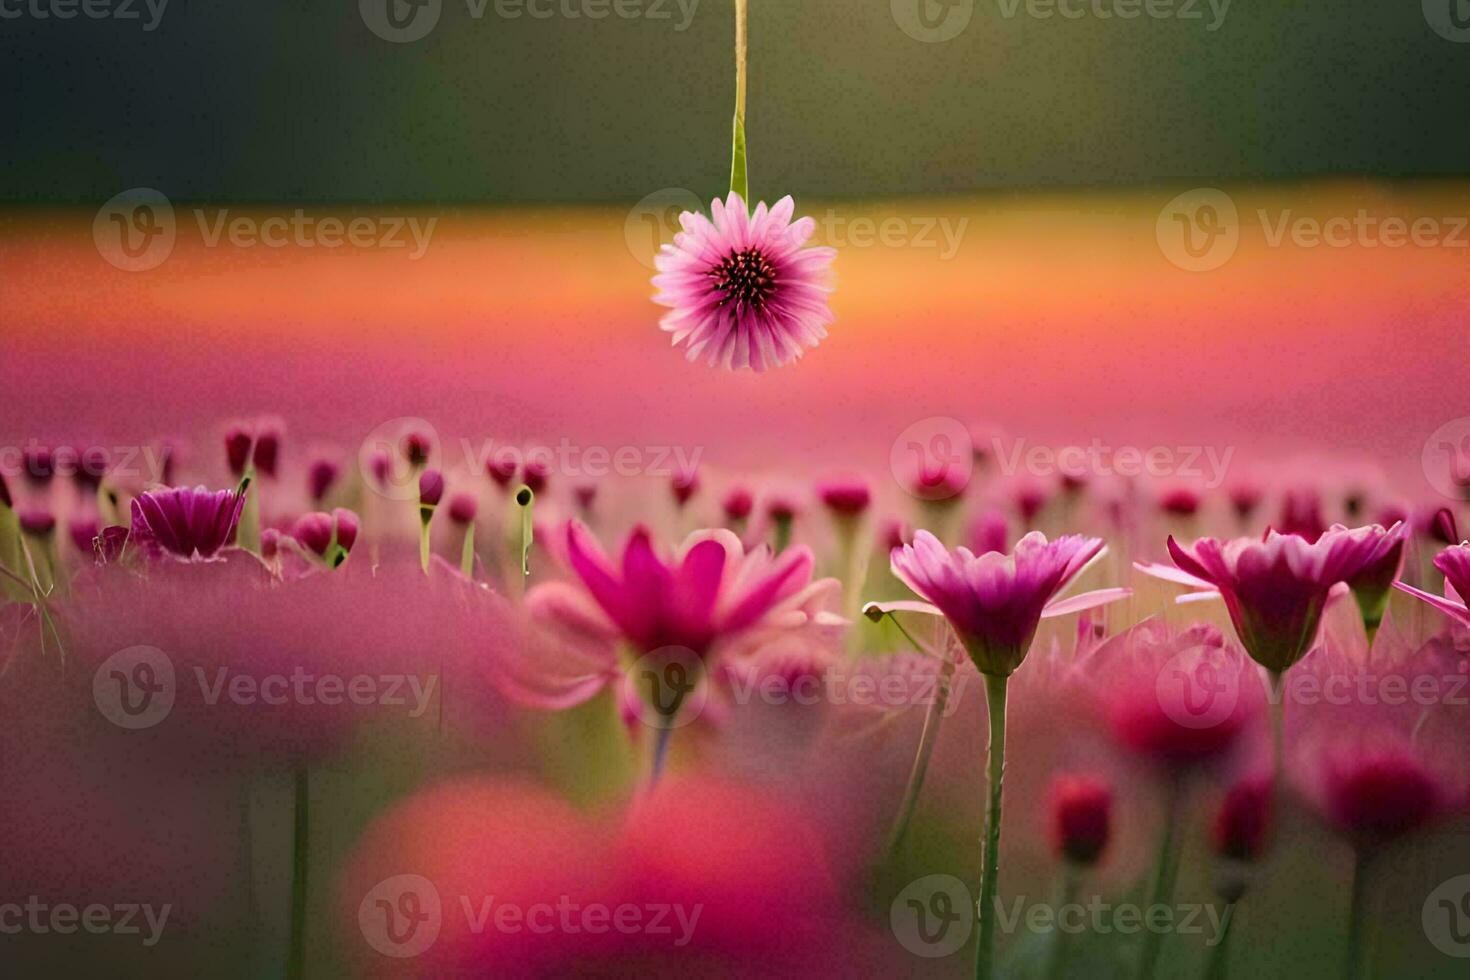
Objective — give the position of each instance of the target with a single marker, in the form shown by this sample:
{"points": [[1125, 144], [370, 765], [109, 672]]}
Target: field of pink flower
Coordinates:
{"points": [[373, 617]]}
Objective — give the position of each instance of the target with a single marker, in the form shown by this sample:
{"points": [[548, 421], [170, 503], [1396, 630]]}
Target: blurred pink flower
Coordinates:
{"points": [[993, 601], [742, 290], [1080, 810], [710, 597], [1243, 820], [188, 524], [1376, 789], [1178, 698]]}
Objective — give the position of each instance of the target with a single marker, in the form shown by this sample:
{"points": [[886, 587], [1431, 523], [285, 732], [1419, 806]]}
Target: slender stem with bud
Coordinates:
{"points": [[296, 953]]}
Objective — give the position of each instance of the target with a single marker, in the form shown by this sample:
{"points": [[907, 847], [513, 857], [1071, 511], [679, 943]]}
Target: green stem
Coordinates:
{"points": [[1061, 951], [1166, 873], [467, 555], [995, 698], [1358, 945], [1219, 964], [1278, 743], [426, 518], [296, 956], [739, 177], [927, 738]]}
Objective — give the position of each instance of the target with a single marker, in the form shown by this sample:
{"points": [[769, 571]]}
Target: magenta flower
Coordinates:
{"points": [[318, 532], [742, 289], [1178, 698], [993, 601], [738, 504], [1275, 587], [320, 478], [1243, 820], [192, 525], [845, 498], [709, 593], [37, 521], [1455, 564], [1376, 790]]}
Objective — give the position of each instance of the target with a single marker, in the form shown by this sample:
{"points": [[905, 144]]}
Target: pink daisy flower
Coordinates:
{"points": [[1275, 587], [995, 602], [742, 289], [191, 525]]}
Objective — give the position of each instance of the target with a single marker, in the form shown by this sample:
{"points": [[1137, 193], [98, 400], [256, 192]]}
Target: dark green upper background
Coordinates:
{"points": [[290, 99]]}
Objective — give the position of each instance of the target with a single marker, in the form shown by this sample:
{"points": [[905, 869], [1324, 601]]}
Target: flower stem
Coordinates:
{"points": [[1219, 965], [467, 554], [296, 955], [1166, 872], [1061, 951], [927, 738], [739, 178], [1278, 742], [1358, 924], [995, 698], [661, 739], [426, 517]]}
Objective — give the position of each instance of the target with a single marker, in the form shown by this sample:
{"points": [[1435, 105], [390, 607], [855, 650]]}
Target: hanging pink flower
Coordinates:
{"points": [[742, 289]]}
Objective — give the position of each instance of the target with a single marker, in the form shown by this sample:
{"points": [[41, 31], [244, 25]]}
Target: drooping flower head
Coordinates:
{"points": [[994, 601], [742, 290], [1275, 587], [189, 524]]}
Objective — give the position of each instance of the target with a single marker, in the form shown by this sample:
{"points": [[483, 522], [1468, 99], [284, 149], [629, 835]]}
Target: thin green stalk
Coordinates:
{"points": [[467, 554], [1278, 743], [1166, 873], [1219, 963], [995, 698], [1061, 951], [1359, 946], [927, 739], [739, 176], [296, 954], [426, 519]]}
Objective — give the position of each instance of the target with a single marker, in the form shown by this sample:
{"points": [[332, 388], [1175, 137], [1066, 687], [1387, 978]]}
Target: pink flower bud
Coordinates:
{"points": [[320, 477], [431, 488], [37, 521], [237, 450], [462, 508], [1080, 810], [845, 498], [347, 527], [1242, 822], [738, 504]]}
